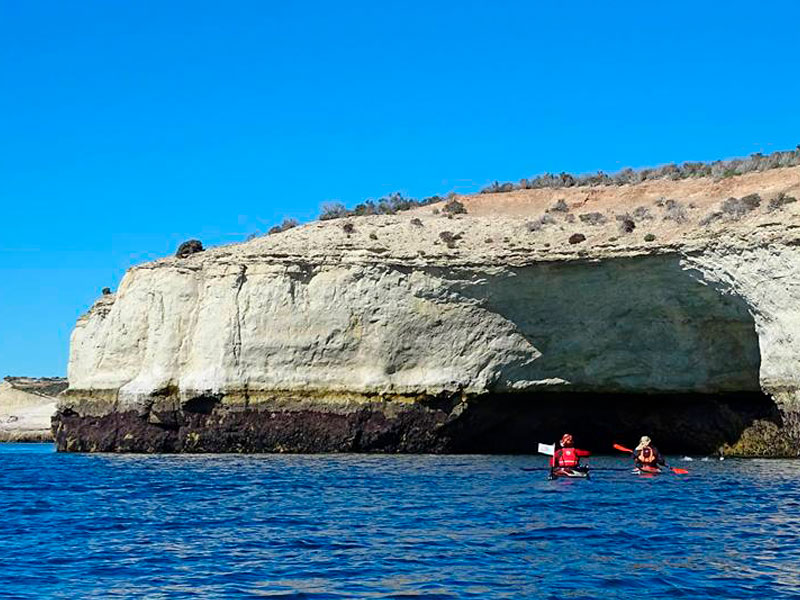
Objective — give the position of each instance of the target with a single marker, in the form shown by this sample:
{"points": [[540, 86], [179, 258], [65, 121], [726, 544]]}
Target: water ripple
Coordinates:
{"points": [[360, 526]]}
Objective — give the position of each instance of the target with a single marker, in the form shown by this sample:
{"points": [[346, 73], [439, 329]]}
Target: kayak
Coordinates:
{"points": [[570, 472], [645, 470]]}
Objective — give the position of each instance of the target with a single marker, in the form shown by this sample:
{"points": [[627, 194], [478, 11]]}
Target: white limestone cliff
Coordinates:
{"points": [[478, 304]]}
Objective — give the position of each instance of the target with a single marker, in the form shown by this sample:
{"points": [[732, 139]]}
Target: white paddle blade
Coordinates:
{"points": [[548, 449]]}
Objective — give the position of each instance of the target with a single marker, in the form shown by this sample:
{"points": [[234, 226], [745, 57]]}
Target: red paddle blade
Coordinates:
{"points": [[680, 471], [622, 448]]}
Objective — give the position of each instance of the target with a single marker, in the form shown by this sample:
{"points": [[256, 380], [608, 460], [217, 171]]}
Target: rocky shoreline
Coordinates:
{"points": [[747, 424]]}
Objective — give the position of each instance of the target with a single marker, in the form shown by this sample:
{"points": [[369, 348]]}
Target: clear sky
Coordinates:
{"points": [[129, 126]]}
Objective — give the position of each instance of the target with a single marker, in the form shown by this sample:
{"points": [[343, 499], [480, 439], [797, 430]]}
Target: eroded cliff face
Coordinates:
{"points": [[486, 332]]}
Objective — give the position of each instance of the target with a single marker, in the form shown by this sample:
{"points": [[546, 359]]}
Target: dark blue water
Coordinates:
{"points": [[358, 526]]}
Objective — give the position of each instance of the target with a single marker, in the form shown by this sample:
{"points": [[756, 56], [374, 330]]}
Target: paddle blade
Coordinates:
{"points": [[680, 471], [622, 448], [548, 449]]}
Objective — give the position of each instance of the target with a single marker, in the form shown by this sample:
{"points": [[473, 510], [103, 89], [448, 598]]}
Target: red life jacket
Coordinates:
{"points": [[568, 458]]}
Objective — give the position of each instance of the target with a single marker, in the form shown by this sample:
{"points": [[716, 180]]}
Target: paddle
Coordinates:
{"points": [[675, 470]]}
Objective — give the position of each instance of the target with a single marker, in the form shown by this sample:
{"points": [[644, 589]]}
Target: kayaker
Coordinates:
{"points": [[567, 455], [647, 455]]}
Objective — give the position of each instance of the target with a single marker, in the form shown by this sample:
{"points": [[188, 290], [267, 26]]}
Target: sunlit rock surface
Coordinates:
{"points": [[26, 407]]}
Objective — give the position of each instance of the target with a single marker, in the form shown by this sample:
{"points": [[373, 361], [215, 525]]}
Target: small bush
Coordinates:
{"points": [[449, 238], [497, 188], [718, 169], [284, 226], [642, 213], [188, 248], [560, 206], [454, 207], [577, 238], [569, 218], [488, 241], [593, 218], [650, 237], [710, 218], [416, 222], [674, 211], [106, 291], [348, 228], [537, 225], [373, 235], [626, 223], [736, 208], [333, 210], [779, 202]]}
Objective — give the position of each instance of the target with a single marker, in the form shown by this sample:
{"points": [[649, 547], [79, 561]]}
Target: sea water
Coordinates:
{"points": [[370, 526]]}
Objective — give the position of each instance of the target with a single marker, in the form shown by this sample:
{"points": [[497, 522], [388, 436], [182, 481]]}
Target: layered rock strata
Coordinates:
{"points": [[485, 332]]}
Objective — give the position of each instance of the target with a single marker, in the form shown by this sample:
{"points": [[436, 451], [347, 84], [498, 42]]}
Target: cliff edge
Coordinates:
{"points": [[666, 307]]}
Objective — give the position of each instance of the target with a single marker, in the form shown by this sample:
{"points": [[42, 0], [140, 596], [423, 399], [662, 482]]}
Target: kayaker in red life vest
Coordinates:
{"points": [[647, 455], [567, 455]]}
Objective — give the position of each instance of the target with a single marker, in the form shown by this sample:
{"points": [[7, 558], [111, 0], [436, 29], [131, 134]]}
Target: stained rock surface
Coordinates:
{"points": [[486, 331]]}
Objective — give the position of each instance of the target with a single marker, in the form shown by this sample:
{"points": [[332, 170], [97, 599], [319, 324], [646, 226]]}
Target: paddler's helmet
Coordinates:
{"points": [[566, 440]]}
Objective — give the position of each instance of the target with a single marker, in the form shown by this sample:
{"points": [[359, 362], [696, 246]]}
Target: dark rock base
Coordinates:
{"points": [[737, 425]]}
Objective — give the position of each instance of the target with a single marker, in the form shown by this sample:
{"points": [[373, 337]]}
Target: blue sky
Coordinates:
{"points": [[129, 126]]}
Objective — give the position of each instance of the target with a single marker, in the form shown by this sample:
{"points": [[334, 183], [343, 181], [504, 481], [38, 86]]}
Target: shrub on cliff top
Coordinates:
{"points": [[333, 210], [674, 211], [736, 208], [497, 187], [454, 207], [539, 223], [284, 226], [626, 223], [710, 218], [188, 248], [780, 201], [718, 169], [559, 206], [449, 238], [593, 218], [577, 238], [388, 205]]}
